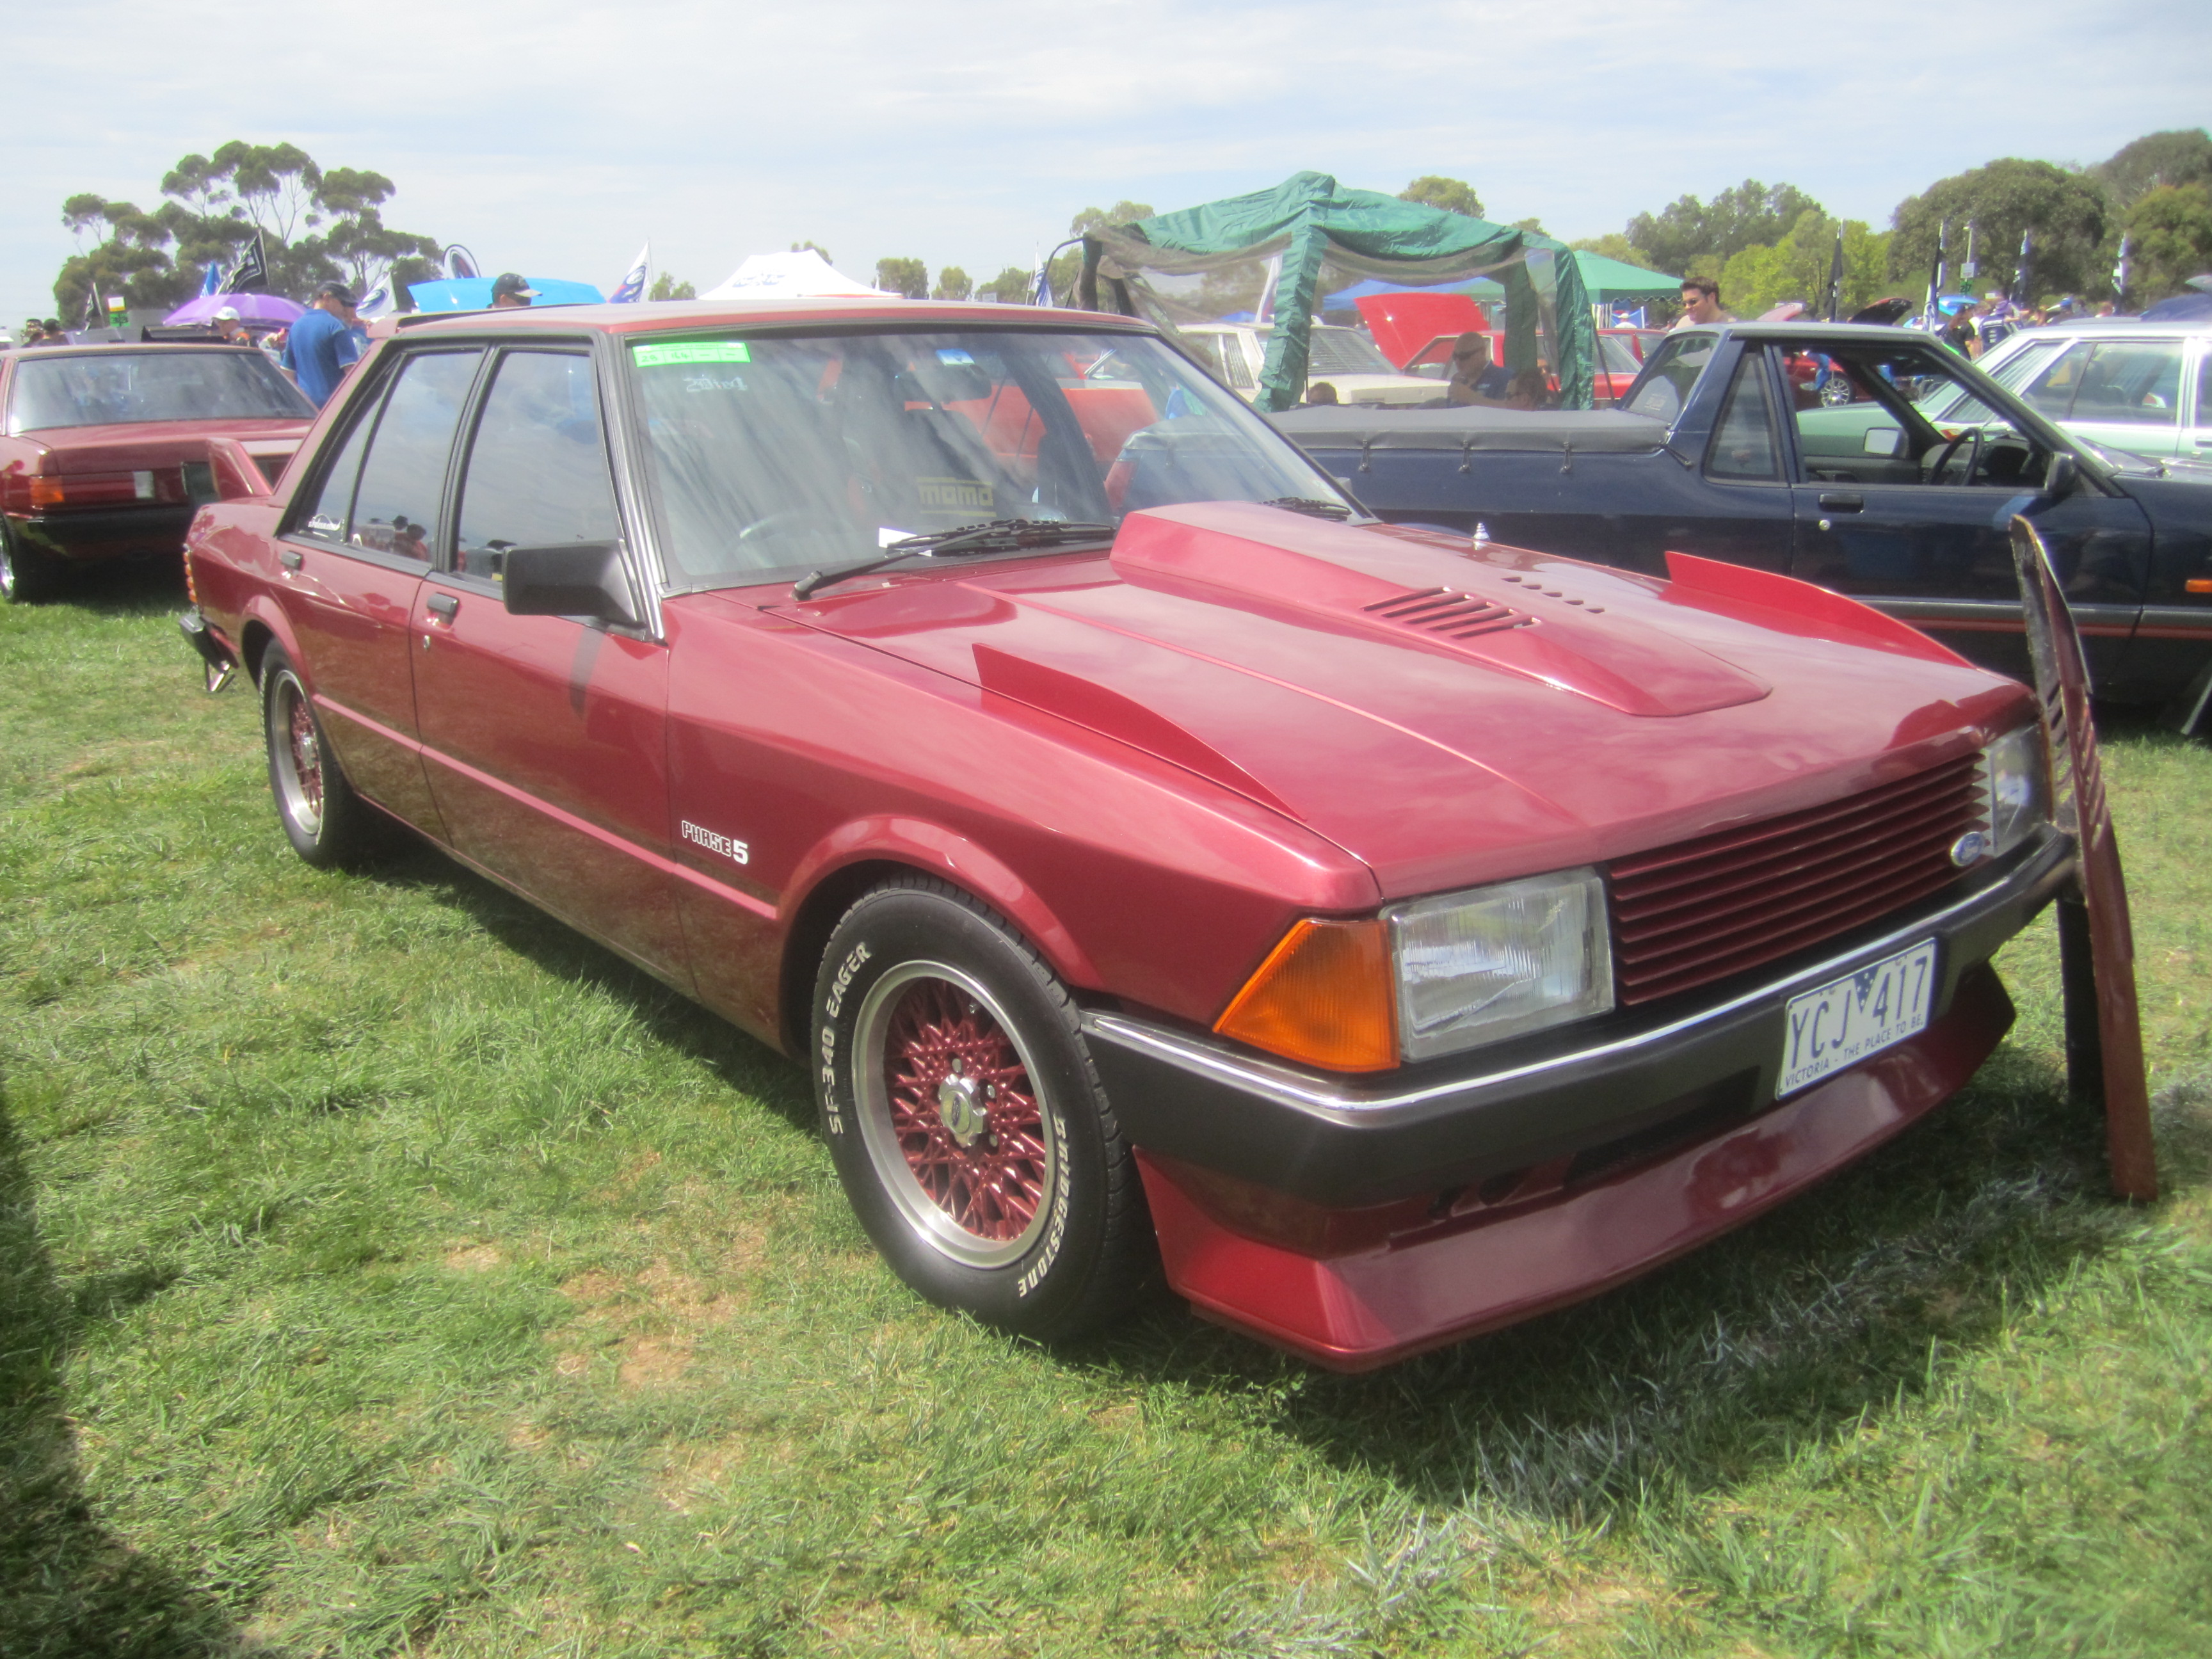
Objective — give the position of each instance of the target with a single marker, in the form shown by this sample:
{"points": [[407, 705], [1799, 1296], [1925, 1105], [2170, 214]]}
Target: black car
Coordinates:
{"points": [[1804, 449]]}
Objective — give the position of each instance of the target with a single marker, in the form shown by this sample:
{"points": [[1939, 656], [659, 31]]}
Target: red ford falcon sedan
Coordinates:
{"points": [[104, 448], [1158, 863]]}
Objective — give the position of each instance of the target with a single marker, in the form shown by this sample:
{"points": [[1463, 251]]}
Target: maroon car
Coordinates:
{"points": [[1156, 862], [104, 448]]}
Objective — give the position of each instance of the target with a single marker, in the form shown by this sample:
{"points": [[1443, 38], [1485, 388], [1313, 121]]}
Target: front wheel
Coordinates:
{"points": [[327, 823], [966, 1120]]}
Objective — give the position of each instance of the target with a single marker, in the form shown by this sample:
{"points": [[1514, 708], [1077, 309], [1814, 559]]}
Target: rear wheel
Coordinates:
{"points": [[28, 574], [328, 824], [965, 1118]]}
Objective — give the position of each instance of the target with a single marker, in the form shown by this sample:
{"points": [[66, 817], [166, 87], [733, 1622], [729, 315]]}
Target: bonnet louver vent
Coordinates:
{"points": [[1451, 616]]}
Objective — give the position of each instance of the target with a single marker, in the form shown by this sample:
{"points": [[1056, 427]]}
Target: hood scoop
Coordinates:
{"points": [[1347, 576], [1447, 615]]}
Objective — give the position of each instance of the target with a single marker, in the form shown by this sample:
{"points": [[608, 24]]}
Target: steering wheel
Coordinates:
{"points": [[1973, 456]]}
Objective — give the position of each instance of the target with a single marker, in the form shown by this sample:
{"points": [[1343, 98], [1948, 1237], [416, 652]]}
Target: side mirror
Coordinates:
{"points": [[573, 578], [2064, 477]]}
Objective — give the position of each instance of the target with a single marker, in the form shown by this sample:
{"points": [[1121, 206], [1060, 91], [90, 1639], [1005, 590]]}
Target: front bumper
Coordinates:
{"points": [[1356, 1222]]}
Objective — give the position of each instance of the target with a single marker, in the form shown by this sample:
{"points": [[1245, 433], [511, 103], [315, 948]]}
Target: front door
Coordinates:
{"points": [[545, 736], [1915, 516]]}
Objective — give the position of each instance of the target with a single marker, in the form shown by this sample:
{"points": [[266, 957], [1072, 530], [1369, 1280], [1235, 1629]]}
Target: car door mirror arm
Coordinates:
{"points": [[570, 579]]}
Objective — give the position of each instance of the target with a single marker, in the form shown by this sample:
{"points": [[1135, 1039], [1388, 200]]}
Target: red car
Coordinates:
{"points": [[1154, 860], [104, 448]]}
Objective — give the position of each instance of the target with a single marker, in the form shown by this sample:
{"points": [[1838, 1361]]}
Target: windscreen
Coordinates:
{"points": [[791, 452], [103, 388]]}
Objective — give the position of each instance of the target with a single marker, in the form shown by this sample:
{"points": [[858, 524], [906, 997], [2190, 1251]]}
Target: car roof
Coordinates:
{"points": [[690, 315], [110, 348], [1836, 333]]}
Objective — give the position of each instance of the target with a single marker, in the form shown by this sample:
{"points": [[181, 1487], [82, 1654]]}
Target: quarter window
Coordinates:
{"points": [[1669, 373], [325, 518], [537, 464], [1743, 448], [402, 483], [2137, 382]]}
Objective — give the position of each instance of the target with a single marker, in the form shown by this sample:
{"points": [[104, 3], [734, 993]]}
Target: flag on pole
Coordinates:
{"points": [[212, 283], [250, 273], [2026, 255], [2120, 270], [1041, 282], [378, 302], [632, 286], [460, 263], [1836, 278]]}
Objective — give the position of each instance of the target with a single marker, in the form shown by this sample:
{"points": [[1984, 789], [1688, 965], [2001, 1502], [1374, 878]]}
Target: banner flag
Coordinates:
{"points": [[212, 283], [250, 273], [631, 288]]}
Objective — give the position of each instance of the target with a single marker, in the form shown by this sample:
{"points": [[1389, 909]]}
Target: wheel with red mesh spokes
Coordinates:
{"points": [[966, 1120], [325, 822]]}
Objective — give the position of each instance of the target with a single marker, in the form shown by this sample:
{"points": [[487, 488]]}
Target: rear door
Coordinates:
{"points": [[545, 736], [1915, 517], [353, 556]]}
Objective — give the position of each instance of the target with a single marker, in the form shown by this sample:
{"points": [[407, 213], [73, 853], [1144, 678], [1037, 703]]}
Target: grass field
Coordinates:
{"points": [[384, 1269]]}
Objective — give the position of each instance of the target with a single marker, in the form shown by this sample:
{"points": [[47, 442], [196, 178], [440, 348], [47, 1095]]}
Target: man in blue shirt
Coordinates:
{"points": [[320, 348]]}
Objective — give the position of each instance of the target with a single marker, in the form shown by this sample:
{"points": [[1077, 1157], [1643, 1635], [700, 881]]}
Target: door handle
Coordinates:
{"points": [[1837, 500], [444, 605], [290, 557]]}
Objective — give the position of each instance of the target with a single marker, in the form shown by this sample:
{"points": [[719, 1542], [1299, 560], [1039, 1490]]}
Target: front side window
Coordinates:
{"points": [[790, 452], [403, 480], [1886, 435], [324, 514], [190, 383], [537, 464]]}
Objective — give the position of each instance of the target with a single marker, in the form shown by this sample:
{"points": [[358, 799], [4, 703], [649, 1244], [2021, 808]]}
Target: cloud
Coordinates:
{"points": [[556, 141]]}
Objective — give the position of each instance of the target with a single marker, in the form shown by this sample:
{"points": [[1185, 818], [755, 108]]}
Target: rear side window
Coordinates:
{"points": [[1743, 447], [2135, 381], [1669, 374], [401, 489], [538, 465]]}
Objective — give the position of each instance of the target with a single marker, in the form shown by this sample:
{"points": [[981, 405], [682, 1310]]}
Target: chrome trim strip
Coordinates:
{"points": [[1283, 1086]]}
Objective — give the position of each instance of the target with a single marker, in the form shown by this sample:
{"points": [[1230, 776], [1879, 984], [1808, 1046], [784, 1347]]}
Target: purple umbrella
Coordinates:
{"points": [[251, 308]]}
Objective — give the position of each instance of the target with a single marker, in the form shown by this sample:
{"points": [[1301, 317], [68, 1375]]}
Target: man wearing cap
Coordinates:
{"points": [[511, 293], [321, 348], [230, 328]]}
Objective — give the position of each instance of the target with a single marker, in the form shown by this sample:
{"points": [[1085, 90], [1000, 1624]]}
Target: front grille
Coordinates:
{"points": [[1688, 915]]}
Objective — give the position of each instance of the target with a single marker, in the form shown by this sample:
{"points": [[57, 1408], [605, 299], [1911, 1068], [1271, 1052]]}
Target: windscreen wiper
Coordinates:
{"points": [[994, 536], [1312, 506]]}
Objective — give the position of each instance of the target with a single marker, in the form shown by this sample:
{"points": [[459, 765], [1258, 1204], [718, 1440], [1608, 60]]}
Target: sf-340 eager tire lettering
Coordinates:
{"points": [[965, 1118]]}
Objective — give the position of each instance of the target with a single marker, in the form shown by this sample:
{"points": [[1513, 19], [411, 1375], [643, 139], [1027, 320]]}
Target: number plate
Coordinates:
{"points": [[1860, 1014]]}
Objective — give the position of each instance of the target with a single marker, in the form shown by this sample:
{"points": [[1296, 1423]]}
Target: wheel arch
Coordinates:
{"points": [[865, 855]]}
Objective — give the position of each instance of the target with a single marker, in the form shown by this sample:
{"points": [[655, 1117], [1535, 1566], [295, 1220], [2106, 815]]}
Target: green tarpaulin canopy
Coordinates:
{"points": [[1607, 281], [1309, 235]]}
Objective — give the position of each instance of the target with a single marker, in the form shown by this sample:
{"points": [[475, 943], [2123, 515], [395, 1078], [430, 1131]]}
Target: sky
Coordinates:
{"points": [[555, 137]]}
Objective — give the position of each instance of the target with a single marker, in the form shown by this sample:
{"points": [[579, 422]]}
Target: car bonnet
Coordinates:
{"points": [[1447, 713]]}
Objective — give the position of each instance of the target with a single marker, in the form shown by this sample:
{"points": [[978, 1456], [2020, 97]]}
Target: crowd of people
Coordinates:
{"points": [[316, 350]]}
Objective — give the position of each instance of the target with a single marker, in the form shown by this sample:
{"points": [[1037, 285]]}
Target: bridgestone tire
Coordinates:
{"points": [[965, 1118], [328, 824]]}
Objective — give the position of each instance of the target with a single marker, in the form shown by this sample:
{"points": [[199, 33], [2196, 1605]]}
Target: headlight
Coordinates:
{"points": [[2017, 780], [1497, 962]]}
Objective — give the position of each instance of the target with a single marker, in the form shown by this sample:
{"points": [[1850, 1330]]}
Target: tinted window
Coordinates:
{"points": [[324, 518], [1743, 447], [1669, 374], [97, 388], [537, 464], [403, 481], [2052, 391]]}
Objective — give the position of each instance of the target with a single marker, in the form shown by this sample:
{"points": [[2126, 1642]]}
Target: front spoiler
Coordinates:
{"points": [[1370, 1306]]}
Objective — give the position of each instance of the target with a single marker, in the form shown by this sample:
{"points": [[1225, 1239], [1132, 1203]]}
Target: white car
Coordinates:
{"points": [[1344, 357], [2146, 387]]}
